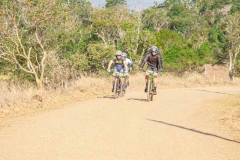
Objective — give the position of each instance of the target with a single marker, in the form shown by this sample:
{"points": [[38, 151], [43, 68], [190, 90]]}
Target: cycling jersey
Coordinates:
{"points": [[128, 62], [118, 63], [153, 61]]}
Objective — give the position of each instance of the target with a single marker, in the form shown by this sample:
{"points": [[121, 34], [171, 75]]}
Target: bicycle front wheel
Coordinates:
{"points": [[149, 91], [123, 87], [116, 86]]}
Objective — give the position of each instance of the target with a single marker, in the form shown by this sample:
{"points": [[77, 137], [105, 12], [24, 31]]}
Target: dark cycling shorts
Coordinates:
{"points": [[152, 69]]}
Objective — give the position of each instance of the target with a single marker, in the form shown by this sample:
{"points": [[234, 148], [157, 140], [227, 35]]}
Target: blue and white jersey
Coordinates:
{"points": [[128, 63], [118, 63]]}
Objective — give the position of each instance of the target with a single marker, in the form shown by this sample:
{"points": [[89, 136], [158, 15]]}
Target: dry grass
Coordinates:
{"points": [[227, 109], [16, 100], [186, 81], [5, 77]]}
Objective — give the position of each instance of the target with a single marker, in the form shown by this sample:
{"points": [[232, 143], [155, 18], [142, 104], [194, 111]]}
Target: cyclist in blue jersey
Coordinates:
{"points": [[119, 65]]}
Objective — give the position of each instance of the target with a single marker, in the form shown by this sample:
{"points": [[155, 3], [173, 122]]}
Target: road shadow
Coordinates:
{"points": [[136, 99], [202, 90], [107, 97], [194, 130]]}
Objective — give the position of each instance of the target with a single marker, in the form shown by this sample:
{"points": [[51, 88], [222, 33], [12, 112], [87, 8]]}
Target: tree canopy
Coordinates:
{"points": [[111, 3], [63, 39]]}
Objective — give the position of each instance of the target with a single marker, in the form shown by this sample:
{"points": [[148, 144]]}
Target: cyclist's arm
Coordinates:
{"points": [[132, 67], [125, 65], [144, 61], [159, 62], [110, 63]]}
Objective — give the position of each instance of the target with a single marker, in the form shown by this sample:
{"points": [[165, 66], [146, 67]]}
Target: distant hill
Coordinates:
{"points": [[131, 3]]}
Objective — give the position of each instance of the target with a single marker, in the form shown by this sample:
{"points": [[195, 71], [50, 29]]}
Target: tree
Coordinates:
{"points": [[110, 24], [111, 3], [155, 18], [29, 41], [179, 59], [98, 56], [231, 26], [146, 40], [167, 38]]}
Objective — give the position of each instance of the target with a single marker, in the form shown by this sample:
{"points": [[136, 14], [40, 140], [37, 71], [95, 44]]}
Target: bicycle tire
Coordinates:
{"points": [[125, 85], [116, 85], [149, 91], [123, 88]]}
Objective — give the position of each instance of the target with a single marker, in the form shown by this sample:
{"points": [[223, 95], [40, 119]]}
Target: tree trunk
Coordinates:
{"points": [[231, 67], [39, 83]]}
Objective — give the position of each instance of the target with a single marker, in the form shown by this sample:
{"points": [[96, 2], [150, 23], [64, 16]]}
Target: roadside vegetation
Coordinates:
{"points": [[47, 46], [227, 112]]}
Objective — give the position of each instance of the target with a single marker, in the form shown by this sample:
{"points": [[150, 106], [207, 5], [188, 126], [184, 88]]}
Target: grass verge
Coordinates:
{"points": [[16, 100], [227, 110]]}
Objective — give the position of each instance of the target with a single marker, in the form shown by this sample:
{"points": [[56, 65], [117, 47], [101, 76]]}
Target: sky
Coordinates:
{"points": [[131, 3]]}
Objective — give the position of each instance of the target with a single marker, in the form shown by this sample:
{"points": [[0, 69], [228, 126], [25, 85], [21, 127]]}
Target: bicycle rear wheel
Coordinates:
{"points": [[116, 86], [123, 88], [149, 91]]}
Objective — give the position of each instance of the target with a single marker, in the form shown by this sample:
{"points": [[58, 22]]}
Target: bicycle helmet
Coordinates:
{"points": [[154, 48], [118, 53], [124, 54]]}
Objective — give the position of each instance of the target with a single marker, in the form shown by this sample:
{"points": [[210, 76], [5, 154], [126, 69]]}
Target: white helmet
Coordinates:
{"points": [[118, 53]]}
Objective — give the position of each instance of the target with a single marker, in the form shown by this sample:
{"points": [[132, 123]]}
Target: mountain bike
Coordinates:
{"points": [[117, 87], [150, 86]]}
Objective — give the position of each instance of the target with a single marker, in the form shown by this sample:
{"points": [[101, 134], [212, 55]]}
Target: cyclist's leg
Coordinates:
{"points": [[126, 81], [121, 75], [113, 77], [155, 75], [147, 74], [127, 78]]}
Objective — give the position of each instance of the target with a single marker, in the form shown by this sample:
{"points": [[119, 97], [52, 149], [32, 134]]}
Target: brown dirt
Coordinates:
{"points": [[176, 125], [18, 101]]}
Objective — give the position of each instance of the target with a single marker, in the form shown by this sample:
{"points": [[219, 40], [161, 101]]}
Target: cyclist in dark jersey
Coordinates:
{"points": [[119, 65], [154, 63]]}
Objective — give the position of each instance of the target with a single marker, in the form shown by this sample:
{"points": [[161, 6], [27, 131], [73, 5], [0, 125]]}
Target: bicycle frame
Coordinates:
{"points": [[117, 86], [150, 86]]}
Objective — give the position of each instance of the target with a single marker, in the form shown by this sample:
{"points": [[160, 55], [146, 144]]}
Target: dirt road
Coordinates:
{"points": [[175, 126]]}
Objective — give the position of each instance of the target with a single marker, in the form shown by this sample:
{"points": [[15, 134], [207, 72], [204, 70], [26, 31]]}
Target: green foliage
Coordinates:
{"points": [[220, 3], [204, 53], [98, 56], [218, 43], [154, 19], [180, 59], [176, 10], [167, 38], [235, 6], [79, 37], [111, 3], [181, 18]]}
